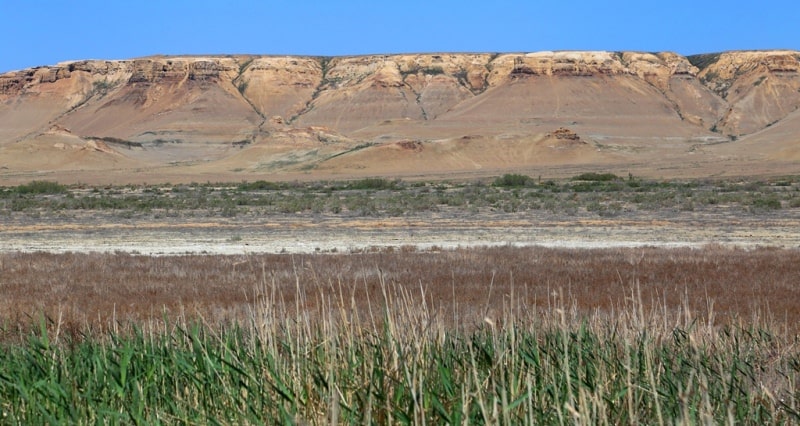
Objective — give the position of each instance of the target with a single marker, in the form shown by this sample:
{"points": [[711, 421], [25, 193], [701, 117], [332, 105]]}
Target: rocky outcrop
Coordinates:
{"points": [[760, 88], [473, 71], [558, 64], [659, 68], [410, 145], [148, 70], [721, 74], [181, 69], [15, 83], [28, 81], [564, 134]]}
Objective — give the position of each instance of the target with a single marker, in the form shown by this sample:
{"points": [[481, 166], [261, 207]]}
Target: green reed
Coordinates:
{"points": [[401, 364]]}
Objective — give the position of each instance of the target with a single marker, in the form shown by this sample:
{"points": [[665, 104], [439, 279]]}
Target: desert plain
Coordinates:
{"points": [[419, 118]]}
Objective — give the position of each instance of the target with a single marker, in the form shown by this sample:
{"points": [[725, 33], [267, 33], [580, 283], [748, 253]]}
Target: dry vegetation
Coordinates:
{"points": [[102, 291]]}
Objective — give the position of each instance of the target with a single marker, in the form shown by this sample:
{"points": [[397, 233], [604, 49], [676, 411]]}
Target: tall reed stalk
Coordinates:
{"points": [[321, 358]]}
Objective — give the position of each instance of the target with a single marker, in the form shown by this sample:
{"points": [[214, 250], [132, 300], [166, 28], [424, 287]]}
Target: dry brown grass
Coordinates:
{"points": [[464, 287]]}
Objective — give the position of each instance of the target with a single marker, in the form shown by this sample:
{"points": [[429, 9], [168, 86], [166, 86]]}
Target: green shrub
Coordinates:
{"points": [[373, 183], [41, 187], [513, 180], [596, 177], [259, 185], [767, 203]]}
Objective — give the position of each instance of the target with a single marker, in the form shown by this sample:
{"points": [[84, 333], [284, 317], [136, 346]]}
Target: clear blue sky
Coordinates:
{"points": [[46, 32]]}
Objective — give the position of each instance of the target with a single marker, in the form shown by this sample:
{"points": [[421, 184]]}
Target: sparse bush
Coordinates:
{"points": [[596, 186], [242, 86], [102, 87], [710, 76], [702, 61], [243, 66], [433, 70], [513, 193]]}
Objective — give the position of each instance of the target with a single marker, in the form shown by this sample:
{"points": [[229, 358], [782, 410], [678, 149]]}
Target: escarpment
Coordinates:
{"points": [[257, 109]]}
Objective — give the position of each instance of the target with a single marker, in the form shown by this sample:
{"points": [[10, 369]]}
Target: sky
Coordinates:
{"points": [[45, 32]]}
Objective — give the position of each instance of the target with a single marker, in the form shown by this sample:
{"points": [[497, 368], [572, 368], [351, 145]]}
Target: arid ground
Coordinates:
{"points": [[263, 217], [334, 234], [93, 251]]}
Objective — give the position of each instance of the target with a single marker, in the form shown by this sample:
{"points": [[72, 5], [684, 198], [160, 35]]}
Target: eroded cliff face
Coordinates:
{"points": [[563, 64], [236, 101], [760, 88], [149, 70], [724, 69], [279, 86], [357, 92]]}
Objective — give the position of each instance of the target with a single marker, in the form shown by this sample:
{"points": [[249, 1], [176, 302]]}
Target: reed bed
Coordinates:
{"points": [[372, 345]]}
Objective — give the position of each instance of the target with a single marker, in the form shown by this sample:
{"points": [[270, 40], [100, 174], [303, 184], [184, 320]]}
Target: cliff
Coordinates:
{"points": [[188, 109]]}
